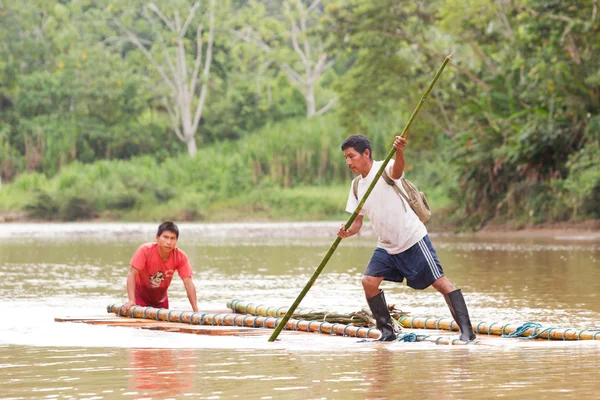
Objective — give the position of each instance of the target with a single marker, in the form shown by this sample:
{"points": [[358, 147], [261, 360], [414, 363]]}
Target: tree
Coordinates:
{"points": [[293, 43], [185, 84]]}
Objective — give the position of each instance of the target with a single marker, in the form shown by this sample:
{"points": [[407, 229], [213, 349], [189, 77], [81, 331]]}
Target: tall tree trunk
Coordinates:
{"points": [[191, 145], [309, 95]]}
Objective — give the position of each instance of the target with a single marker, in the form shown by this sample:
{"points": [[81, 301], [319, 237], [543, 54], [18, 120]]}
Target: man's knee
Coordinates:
{"points": [[443, 285], [371, 282]]}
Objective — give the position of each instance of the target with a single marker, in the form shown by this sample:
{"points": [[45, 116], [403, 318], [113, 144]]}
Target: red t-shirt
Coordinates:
{"points": [[155, 274]]}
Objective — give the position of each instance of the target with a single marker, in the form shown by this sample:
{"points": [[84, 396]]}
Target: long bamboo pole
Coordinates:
{"points": [[335, 244]]}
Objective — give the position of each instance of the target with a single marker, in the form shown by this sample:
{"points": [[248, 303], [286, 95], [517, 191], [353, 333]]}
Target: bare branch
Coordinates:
{"points": [[261, 70], [211, 34], [434, 121], [472, 76], [294, 77], [198, 60], [572, 49], [247, 37], [116, 39], [312, 7], [594, 9], [162, 16], [326, 107], [565, 33], [169, 62], [296, 46], [321, 66], [482, 55], [180, 59], [174, 119], [445, 115], [209, 50], [189, 19], [177, 22], [136, 41], [303, 30], [164, 48], [504, 20]]}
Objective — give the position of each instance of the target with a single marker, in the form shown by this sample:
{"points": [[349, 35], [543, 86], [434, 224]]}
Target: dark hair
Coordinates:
{"points": [[360, 143], [168, 226]]}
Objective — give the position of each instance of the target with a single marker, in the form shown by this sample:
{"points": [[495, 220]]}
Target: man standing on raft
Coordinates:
{"points": [[404, 249], [152, 268]]}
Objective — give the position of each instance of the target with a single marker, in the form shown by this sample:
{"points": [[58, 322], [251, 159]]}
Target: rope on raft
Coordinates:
{"points": [[518, 333], [412, 338]]}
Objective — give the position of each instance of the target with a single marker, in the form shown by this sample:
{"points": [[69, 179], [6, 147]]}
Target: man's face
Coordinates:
{"points": [[357, 162], [167, 241]]}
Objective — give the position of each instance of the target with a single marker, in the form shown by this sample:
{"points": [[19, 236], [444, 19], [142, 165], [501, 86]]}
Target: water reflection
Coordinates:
{"points": [[379, 376], [160, 372]]}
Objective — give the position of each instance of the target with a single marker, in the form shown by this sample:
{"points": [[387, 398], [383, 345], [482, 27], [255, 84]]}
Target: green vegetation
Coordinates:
{"points": [[235, 111], [282, 172]]}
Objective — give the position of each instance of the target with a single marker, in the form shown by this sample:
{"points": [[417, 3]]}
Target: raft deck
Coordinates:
{"points": [[433, 336]]}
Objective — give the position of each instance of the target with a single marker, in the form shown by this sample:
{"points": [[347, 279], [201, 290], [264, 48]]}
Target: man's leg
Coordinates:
{"points": [[371, 285], [458, 307], [378, 306]]}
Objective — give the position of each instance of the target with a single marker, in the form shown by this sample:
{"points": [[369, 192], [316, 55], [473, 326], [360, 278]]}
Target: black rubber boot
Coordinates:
{"points": [[380, 311], [458, 309]]}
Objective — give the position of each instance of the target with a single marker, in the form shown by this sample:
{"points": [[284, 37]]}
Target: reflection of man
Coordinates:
{"points": [[152, 372], [152, 268]]}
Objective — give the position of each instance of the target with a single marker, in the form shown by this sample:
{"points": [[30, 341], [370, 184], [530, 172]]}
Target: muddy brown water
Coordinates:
{"points": [[52, 270]]}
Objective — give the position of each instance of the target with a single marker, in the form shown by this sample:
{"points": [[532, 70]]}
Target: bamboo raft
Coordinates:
{"points": [[249, 319], [219, 321], [239, 320]]}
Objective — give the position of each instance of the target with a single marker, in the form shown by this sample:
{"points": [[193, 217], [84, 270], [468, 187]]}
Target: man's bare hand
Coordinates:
{"points": [[343, 233], [399, 143], [127, 306]]}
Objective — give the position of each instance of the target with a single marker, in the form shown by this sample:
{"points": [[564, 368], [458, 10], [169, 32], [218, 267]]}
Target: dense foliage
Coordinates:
{"points": [[511, 131]]}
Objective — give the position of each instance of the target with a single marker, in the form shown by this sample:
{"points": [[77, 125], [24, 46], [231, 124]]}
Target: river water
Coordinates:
{"points": [[57, 270]]}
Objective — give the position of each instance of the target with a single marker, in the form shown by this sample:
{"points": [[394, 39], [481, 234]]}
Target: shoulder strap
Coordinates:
{"points": [[355, 187], [391, 182]]}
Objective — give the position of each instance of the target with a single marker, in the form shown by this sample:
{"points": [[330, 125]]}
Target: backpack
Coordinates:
{"points": [[415, 199]]}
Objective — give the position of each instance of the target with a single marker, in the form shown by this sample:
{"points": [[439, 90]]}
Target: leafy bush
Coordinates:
{"points": [[77, 208], [43, 206]]}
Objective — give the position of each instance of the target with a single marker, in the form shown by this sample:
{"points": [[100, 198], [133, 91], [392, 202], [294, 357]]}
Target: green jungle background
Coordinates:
{"points": [[235, 110]]}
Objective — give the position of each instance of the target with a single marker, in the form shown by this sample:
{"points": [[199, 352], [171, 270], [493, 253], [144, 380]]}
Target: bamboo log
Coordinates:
{"points": [[361, 318], [499, 329], [198, 318], [259, 309]]}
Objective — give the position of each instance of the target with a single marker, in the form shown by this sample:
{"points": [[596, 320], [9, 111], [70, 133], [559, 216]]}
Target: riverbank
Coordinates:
{"points": [[586, 231]]}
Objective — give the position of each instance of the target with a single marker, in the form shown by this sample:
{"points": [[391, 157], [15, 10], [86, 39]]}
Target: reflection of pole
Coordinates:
{"points": [[334, 246]]}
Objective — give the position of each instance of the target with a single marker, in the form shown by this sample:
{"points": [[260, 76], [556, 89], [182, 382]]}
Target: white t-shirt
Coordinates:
{"points": [[398, 227]]}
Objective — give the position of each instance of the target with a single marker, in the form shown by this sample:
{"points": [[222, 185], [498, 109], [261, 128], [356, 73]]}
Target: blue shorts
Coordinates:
{"points": [[419, 265]]}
